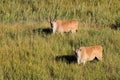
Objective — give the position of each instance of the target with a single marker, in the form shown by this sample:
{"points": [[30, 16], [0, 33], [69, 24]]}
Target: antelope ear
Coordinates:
{"points": [[49, 21], [73, 49], [54, 20]]}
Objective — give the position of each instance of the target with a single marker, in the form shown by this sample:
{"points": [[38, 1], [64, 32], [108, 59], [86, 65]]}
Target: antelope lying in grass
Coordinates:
{"points": [[64, 26], [84, 54]]}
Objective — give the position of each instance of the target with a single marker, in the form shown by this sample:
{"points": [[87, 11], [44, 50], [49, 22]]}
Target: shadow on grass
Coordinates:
{"points": [[116, 25], [67, 58], [71, 59], [45, 31]]}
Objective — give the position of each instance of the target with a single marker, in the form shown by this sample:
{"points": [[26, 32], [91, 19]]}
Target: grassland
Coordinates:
{"points": [[29, 52]]}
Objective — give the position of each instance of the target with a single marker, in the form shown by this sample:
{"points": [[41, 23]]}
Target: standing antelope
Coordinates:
{"points": [[64, 26], [84, 54]]}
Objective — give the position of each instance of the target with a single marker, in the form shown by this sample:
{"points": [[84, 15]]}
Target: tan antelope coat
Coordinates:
{"points": [[64, 26], [84, 54]]}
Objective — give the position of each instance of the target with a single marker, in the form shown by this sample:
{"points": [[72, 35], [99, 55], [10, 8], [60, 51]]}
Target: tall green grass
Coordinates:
{"points": [[102, 12], [28, 52], [29, 55]]}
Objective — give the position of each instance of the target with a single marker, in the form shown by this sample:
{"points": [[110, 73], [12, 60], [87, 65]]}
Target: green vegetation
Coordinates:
{"points": [[29, 52], [102, 12]]}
